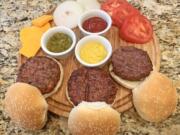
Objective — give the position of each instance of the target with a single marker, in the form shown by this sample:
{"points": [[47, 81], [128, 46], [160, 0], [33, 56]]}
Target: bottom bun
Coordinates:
{"points": [[125, 83], [26, 106], [59, 83], [93, 118], [156, 98], [68, 98]]}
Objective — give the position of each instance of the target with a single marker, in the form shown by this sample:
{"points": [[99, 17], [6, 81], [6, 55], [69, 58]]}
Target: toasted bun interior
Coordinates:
{"points": [[26, 106], [125, 83], [68, 98], [58, 85], [93, 118], [156, 98]]}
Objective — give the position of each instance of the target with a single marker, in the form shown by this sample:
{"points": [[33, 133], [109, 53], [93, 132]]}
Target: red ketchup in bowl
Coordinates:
{"points": [[94, 24]]}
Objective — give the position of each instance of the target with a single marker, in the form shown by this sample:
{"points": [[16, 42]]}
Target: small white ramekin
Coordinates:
{"points": [[97, 38], [94, 13], [45, 37]]}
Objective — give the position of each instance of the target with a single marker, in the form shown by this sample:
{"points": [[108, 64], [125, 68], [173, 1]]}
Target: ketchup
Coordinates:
{"points": [[94, 24]]}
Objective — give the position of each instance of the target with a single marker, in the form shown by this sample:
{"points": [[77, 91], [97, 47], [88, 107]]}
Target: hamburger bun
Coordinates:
{"points": [[93, 118], [26, 106], [156, 98], [125, 83], [130, 66], [59, 83], [43, 72]]}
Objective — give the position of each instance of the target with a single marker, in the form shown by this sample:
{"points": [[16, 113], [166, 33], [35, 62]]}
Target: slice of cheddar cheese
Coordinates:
{"points": [[30, 38], [46, 27], [40, 21]]}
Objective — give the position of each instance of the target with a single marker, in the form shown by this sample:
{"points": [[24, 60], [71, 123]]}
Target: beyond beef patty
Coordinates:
{"points": [[41, 72], [131, 63], [91, 84]]}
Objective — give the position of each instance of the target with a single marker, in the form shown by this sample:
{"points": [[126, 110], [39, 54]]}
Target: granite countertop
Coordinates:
{"points": [[165, 16]]}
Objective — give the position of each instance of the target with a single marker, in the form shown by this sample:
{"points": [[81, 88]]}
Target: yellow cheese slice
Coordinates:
{"points": [[40, 21], [46, 27], [30, 38]]}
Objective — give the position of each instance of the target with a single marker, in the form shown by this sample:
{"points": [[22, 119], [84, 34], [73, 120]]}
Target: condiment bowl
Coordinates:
{"points": [[99, 39], [51, 32], [94, 13]]}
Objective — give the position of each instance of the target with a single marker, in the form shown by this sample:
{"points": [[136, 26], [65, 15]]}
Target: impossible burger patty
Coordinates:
{"points": [[131, 63], [91, 84], [41, 72]]}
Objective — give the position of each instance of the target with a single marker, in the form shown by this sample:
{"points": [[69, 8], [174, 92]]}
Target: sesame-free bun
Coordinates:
{"points": [[156, 98], [26, 106], [93, 118], [126, 83]]}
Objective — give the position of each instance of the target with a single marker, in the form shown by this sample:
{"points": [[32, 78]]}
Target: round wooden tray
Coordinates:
{"points": [[58, 102]]}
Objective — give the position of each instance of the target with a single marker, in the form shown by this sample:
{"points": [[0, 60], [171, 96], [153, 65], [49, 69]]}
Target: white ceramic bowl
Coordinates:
{"points": [[94, 13], [45, 37], [97, 38]]}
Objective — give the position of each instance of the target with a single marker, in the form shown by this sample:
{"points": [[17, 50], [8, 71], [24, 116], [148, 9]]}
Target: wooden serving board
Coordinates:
{"points": [[58, 102]]}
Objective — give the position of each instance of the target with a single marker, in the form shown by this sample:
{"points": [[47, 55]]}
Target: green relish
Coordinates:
{"points": [[59, 42]]}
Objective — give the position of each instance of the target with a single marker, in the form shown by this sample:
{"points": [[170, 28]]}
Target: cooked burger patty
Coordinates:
{"points": [[91, 84], [131, 63], [41, 72]]}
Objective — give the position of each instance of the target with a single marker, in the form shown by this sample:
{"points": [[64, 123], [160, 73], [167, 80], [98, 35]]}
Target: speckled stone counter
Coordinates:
{"points": [[165, 16]]}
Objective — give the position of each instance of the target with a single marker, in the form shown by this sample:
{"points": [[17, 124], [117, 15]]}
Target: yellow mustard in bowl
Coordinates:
{"points": [[93, 52]]}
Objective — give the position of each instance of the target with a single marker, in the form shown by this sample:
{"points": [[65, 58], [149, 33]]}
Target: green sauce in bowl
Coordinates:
{"points": [[59, 42]]}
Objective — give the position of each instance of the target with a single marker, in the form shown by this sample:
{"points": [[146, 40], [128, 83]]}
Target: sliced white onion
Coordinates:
{"points": [[67, 14]]}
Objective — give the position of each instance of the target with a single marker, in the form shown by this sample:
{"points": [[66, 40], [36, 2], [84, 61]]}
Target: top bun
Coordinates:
{"points": [[26, 106], [156, 98], [93, 118]]}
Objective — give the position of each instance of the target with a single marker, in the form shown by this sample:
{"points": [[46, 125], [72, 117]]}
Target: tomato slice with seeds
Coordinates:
{"points": [[136, 29], [122, 12], [119, 10]]}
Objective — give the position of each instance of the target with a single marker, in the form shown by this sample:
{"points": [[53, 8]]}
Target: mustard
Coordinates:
{"points": [[93, 52]]}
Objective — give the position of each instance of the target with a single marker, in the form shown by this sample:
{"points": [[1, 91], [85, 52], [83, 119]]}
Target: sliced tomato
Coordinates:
{"points": [[136, 29], [122, 12], [119, 10], [110, 5]]}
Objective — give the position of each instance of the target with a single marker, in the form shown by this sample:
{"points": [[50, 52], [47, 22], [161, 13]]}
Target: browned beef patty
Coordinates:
{"points": [[41, 72], [131, 63], [91, 84]]}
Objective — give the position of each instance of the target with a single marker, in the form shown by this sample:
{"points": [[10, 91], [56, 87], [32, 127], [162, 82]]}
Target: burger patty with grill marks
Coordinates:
{"points": [[41, 72], [91, 84], [131, 63]]}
